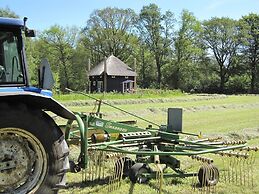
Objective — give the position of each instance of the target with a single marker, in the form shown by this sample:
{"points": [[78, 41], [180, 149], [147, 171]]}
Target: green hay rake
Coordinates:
{"points": [[111, 151]]}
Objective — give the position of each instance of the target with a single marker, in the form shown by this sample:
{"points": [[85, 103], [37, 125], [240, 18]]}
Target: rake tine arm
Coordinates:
{"points": [[179, 153]]}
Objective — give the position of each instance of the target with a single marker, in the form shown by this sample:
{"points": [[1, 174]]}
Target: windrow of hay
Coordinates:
{"points": [[245, 134], [145, 101], [193, 109]]}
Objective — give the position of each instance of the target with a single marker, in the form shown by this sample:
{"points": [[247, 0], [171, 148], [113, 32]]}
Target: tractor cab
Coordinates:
{"points": [[12, 71], [14, 79], [12, 57], [13, 66]]}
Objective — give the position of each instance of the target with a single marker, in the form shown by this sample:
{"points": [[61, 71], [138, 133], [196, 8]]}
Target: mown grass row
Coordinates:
{"points": [[139, 94]]}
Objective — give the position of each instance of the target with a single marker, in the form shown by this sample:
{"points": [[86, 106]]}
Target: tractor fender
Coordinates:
{"points": [[37, 101]]}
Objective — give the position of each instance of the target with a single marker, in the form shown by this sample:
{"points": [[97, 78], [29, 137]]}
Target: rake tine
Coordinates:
{"points": [[100, 165], [114, 180], [252, 162], [236, 170], [224, 168], [214, 186], [92, 169], [114, 175], [201, 189], [253, 157], [118, 174], [249, 165], [209, 175], [240, 171], [157, 176], [160, 178], [237, 163], [103, 169], [248, 169], [121, 174], [230, 159], [117, 166], [193, 182], [157, 172], [204, 176], [231, 164], [96, 165], [244, 170]]}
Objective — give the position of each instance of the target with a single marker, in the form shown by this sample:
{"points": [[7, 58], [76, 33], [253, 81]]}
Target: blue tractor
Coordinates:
{"points": [[33, 152]]}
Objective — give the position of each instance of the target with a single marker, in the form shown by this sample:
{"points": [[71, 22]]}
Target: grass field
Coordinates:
{"points": [[228, 116]]}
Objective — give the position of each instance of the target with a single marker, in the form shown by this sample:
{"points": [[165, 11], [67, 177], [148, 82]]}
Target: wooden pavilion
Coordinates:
{"points": [[112, 75]]}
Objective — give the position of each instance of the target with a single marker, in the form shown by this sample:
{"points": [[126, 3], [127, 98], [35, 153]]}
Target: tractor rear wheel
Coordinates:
{"points": [[34, 154]]}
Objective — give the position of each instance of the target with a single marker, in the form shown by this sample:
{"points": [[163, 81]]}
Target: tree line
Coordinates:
{"points": [[218, 55]]}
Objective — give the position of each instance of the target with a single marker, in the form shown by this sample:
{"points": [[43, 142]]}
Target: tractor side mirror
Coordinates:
{"points": [[46, 80], [30, 33]]}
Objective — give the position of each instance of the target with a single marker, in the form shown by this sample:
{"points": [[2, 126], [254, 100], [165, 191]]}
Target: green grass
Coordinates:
{"points": [[139, 94], [226, 116]]}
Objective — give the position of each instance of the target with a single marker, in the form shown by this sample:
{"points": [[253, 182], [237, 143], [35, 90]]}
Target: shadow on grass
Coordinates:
{"points": [[102, 183], [176, 181], [90, 184], [156, 187], [172, 182], [131, 188]]}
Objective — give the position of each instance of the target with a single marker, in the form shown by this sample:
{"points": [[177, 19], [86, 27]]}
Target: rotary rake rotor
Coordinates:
{"points": [[111, 151]]}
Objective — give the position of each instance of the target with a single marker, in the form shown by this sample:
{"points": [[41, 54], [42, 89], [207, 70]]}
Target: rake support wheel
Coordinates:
{"points": [[135, 172], [126, 164], [208, 175]]}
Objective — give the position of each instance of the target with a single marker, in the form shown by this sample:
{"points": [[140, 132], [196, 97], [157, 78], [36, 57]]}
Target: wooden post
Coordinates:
{"points": [[135, 78], [89, 82], [105, 75]]}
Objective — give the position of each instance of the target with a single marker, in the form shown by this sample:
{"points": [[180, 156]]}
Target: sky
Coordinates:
{"points": [[46, 13]]}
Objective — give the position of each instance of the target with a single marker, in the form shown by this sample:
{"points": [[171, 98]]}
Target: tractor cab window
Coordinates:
{"points": [[10, 61]]}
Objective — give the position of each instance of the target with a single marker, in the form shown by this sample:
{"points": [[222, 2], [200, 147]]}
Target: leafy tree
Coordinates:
{"points": [[221, 54], [146, 68], [109, 32], [251, 46], [187, 52], [223, 38], [32, 60], [58, 44], [156, 30], [6, 12], [79, 68]]}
